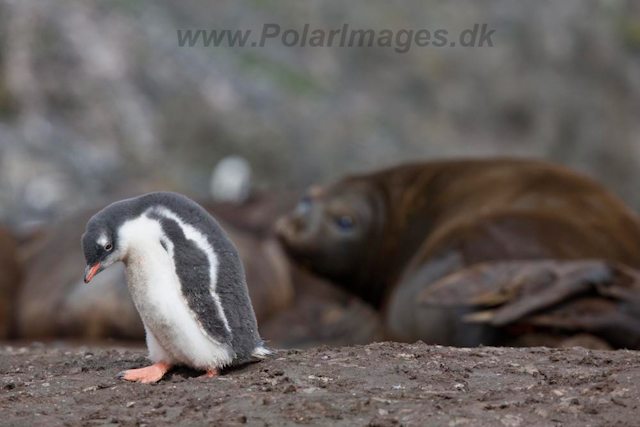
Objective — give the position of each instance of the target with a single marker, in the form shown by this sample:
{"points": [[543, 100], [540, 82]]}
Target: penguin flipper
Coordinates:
{"points": [[193, 268]]}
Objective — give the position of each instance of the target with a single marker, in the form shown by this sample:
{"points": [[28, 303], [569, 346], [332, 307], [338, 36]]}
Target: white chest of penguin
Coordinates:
{"points": [[156, 292]]}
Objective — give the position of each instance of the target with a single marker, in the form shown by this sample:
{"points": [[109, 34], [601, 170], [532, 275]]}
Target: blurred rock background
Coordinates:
{"points": [[96, 95]]}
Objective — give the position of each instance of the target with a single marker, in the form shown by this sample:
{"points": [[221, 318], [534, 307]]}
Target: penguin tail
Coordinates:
{"points": [[262, 352]]}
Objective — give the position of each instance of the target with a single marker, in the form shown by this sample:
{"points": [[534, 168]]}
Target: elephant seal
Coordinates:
{"points": [[389, 235]]}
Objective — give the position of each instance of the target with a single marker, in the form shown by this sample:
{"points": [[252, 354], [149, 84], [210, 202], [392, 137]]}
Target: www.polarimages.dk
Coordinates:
{"points": [[402, 40]]}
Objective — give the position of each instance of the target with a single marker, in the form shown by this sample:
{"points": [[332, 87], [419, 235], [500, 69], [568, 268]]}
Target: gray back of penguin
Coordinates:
{"points": [[192, 266]]}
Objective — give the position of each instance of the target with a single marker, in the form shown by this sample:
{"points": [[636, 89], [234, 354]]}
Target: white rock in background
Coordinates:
{"points": [[231, 180]]}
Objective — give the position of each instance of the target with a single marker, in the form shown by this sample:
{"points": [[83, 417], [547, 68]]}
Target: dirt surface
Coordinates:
{"points": [[380, 384]]}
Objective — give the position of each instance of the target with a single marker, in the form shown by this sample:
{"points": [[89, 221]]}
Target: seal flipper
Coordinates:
{"points": [[515, 289], [572, 296], [407, 319]]}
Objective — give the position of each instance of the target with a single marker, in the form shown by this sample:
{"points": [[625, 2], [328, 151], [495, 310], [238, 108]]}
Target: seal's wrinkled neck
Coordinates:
{"points": [[404, 214]]}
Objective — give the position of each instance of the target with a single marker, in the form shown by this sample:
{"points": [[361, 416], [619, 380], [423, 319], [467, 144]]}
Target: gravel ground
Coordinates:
{"points": [[381, 384]]}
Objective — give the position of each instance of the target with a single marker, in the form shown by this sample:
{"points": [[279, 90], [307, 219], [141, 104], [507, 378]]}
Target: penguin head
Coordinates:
{"points": [[100, 241]]}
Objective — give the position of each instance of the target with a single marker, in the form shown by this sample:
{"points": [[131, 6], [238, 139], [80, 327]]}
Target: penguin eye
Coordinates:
{"points": [[108, 247]]}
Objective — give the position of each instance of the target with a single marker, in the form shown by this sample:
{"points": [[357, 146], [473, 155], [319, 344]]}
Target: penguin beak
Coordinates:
{"points": [[91, 271]]}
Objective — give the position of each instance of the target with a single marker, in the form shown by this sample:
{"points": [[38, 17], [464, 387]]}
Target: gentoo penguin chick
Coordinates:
{"points": [[185, 278]]}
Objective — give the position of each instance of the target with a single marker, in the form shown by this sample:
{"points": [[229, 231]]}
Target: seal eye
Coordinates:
{"points": [[108, 247], [345, 222]]}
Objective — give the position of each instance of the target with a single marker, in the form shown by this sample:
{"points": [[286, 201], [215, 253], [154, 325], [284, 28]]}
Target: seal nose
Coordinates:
{"points": [[290, 225]]}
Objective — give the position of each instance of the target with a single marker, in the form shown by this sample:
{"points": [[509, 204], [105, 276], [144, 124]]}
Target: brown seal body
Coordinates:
{"points": [[9, 281], [53, 301], [388, 235]]}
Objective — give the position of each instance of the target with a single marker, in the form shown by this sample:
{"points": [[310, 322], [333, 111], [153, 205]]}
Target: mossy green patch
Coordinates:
{"points": [[284, 76]]}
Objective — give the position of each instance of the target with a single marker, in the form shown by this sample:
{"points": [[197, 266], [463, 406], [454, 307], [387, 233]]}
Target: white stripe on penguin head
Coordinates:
{"points": [[102, 240]]}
